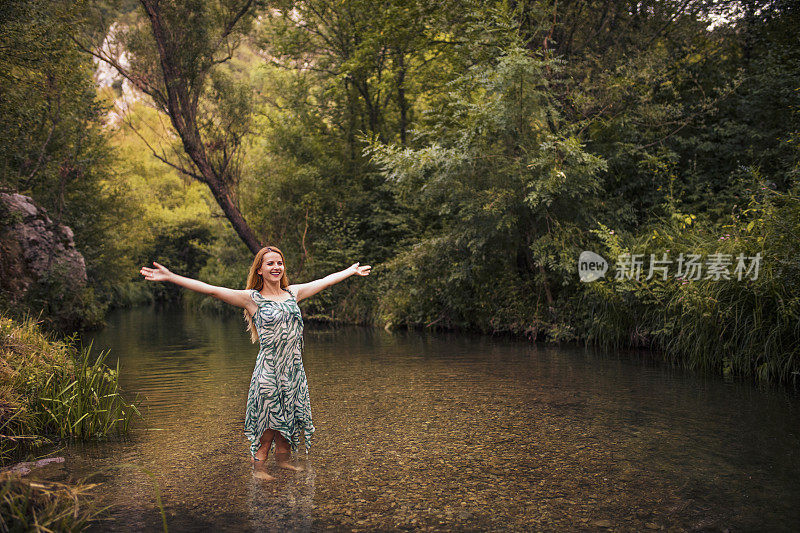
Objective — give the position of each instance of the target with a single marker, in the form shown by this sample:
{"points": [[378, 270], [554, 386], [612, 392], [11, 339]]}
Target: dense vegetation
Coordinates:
{"points": [[50, 391], [470, 151]]}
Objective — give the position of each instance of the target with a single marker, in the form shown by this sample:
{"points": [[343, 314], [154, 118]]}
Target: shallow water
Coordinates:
{"points": [[440, 432]]}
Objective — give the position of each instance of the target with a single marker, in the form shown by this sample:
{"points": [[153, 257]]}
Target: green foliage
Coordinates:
{"points": [[228, 266], [510, 188], [506, 156], [183, 243], [746, 328], [313, 192], [468, 150], [369, 72], [177, 54], [55, 148], [716, 113], [47, 104], [166, 218], [52, 390], [63, 307]]}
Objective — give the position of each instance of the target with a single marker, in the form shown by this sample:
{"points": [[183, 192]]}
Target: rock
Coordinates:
{"points": [[23, 469], [33, 247]]}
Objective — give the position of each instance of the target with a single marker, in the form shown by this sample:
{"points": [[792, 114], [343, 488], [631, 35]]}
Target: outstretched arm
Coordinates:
{"points": [[304, 290], [239, 298]]}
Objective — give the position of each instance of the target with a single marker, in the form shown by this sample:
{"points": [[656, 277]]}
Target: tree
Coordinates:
{"points": [[504, 191], [334, 78], [54, 149], [174, 55]]}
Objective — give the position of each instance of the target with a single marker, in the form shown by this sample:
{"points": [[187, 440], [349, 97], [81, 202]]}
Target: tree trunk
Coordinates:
{"points": [[234, 215], [181, 104], [401, 96]]}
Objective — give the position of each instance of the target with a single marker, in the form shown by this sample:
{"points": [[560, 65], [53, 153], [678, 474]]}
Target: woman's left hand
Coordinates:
{"points": [[360, 270]]}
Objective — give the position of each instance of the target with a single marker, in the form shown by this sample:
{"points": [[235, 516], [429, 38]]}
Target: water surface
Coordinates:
{"points": [[440, 432]]}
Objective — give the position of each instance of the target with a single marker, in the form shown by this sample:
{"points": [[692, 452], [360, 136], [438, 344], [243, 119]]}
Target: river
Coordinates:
{"points": [[443, 432]]}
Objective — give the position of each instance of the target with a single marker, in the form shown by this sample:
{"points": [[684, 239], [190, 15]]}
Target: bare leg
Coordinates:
{"points": [[259, 466], [283, 452], [266, 443]]}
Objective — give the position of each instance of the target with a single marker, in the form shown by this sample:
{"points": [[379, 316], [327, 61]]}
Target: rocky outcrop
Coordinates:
{"points": [[35, 250]]}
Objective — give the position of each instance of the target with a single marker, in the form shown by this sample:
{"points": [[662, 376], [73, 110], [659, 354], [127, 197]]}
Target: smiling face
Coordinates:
{"points": [[272, 267], [268, 267]]}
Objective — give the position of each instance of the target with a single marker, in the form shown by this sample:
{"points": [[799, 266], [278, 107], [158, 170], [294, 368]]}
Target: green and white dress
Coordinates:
{"points": [[278, 396]]}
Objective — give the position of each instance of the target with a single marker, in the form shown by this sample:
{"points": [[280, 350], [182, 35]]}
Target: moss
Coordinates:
{"points": [[8, 217]]}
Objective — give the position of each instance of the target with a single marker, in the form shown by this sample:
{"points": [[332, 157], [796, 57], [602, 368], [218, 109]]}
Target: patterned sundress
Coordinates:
{"points": [[278, 396]]}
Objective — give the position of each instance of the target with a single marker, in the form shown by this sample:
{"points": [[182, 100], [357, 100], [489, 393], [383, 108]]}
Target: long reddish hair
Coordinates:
{"points": [[255, 281]]}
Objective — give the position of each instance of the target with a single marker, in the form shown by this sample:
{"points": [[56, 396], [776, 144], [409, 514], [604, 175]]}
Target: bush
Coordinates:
{"points": [[51, 390], [746, 328]]}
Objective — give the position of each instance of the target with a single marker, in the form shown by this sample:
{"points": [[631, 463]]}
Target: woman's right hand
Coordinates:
{"points": [[160, 273]]}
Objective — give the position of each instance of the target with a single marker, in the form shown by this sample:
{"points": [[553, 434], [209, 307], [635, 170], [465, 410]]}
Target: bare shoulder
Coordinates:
{"points": [[296, 290]]}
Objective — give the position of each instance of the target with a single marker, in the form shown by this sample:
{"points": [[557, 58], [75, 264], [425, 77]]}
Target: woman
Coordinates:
{"points": [[278, 406]]}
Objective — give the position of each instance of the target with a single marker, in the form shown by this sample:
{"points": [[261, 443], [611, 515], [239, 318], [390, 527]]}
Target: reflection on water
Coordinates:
{"points": [[441, 432], [286, 504]]}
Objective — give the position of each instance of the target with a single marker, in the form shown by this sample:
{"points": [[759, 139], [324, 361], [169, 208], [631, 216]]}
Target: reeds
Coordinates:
{"points": [[748, 328], [52, 390], [82, 399], [44, 506]]}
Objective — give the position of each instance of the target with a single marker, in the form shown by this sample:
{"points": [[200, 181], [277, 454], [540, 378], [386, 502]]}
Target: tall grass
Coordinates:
{"points": [[45, 506], [748, 328], [51, 390], [82, 400]]}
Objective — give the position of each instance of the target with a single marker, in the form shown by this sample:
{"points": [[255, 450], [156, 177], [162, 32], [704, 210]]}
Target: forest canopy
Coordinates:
{"points": [[469, 150]]}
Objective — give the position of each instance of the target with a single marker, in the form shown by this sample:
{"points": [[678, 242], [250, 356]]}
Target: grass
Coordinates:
{"points": [[45, 506], [83, 400], [50, 390]]}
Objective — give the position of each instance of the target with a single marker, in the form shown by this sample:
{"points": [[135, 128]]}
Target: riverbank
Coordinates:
{"points": [[51, 391]]}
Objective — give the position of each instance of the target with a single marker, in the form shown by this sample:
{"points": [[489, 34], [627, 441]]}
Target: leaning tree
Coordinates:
{"points": [[173, 52]]}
